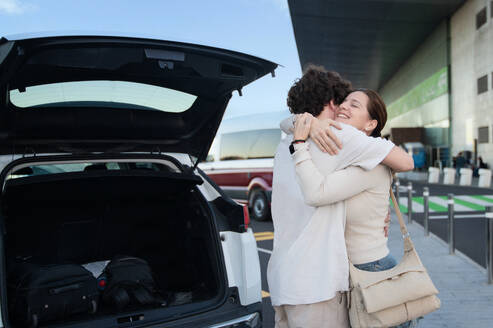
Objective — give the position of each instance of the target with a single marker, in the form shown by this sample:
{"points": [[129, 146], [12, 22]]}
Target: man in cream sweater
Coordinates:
{"points": [[308, 270]]}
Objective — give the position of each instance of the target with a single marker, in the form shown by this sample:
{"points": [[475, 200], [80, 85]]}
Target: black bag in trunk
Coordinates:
{"points": [[129, 281], [45, 293]]}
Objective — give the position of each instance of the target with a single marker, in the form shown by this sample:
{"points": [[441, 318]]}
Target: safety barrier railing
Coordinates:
{"points": [[451, 214]]}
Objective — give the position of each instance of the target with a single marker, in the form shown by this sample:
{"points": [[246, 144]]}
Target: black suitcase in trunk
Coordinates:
{"points": [[44, 293], [130, 282]]}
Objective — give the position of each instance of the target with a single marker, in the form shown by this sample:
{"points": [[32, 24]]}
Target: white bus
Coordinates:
{"points": [[241, 159]]}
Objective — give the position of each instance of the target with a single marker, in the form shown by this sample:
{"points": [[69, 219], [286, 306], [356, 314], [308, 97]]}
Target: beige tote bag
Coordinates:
{"points": [[391, 297]]}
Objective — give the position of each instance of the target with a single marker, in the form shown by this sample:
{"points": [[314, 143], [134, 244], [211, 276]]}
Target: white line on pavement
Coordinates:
{"points": [[444, 203], [417, 207], [264, 250], [474, 200], [403, 189], [457, 216]]}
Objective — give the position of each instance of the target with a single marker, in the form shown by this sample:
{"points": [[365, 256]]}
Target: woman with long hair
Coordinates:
{"points": [[366, 192]]}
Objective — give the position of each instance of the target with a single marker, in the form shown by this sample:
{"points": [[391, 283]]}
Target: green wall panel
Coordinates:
{"points": [[419, 81], [431, 88]]}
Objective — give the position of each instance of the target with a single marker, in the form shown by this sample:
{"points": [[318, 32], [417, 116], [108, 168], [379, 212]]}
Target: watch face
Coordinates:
{"points": [[291, 149]]}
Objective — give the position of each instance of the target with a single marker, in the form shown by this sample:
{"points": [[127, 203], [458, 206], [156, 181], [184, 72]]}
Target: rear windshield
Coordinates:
{"points": [[45, 169], [113, 94]]}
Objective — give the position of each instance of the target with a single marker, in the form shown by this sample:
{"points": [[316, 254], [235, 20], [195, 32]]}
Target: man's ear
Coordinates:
{"points": [[332, 105], [327, 107]]}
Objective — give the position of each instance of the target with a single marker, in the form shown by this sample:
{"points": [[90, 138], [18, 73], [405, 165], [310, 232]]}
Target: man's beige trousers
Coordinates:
{"points": [[332, 313]]}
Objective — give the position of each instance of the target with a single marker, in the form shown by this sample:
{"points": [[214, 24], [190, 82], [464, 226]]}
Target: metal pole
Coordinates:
{"points": [[397, 186], [409, 202], [451, 235], [426, 194], [489, 243]]}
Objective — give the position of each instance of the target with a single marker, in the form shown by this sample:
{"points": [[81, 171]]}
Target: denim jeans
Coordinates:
{"points": [[385, 263]]}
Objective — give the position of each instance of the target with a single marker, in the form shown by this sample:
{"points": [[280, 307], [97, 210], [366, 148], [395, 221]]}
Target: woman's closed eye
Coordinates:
{"points": [[355, 104]]}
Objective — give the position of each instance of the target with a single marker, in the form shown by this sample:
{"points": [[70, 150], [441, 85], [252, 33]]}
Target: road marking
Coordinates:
{"points": [[265, 294], [403, 189], [263, 233], [264, 238], [264, 250], [475, 200], [433, 206], [474, 206], [417, 205], [460, 206], [457, 216], [483, 198], [462, 203], [443, 205], [267, 235]]}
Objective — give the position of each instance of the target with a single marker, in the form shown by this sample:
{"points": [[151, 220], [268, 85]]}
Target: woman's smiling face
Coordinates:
{"points": [[353, 111]]}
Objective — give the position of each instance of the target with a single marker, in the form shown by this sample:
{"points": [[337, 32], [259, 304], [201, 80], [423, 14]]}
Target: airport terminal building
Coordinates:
{"points": [[432, 61]]}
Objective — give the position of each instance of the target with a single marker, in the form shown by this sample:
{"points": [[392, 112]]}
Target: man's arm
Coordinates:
{"points": [[287, 125], [325, 139]]}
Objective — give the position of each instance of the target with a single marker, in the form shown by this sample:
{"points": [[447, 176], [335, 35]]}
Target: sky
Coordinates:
{"points": [[258, 27]]}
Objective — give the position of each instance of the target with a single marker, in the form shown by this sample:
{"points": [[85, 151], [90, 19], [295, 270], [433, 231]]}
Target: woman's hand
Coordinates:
{"points": [[302, 126], [324, 137]]}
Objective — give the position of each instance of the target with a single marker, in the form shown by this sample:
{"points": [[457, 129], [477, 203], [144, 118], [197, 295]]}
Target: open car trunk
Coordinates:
{"points": [[96, 215]]}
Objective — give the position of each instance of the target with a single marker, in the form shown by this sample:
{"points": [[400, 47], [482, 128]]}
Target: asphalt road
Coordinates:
{"points": [[470, 233], [264, 245]]}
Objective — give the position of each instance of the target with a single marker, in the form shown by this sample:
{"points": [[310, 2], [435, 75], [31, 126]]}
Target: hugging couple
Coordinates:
{"points": [[330, 199]]}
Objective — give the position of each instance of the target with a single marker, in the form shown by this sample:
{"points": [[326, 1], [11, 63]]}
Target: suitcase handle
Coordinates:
{"points": [[59, 290]]}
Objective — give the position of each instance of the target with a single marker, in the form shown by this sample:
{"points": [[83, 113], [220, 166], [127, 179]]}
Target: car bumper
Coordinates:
{"points": [[250, 320], [249, 316]]}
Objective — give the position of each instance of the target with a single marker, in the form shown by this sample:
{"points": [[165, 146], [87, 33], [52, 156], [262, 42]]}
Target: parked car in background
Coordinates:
{"points": [[100, 138], [241, 159]]}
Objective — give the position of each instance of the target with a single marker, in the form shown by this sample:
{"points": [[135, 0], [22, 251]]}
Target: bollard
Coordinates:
{"points": [[426, 194], [451, 234], [409, 202], [397, 186], [489, 243]]}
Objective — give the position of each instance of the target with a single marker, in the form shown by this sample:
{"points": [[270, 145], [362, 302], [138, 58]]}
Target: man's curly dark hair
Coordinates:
{"points": [[316, 88]]}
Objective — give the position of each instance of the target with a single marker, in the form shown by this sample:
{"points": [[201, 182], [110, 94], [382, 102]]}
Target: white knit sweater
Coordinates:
{"points": [[367, 203]]}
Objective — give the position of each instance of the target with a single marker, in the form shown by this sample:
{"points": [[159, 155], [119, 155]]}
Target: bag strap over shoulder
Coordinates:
{"points": [[408, 245]]}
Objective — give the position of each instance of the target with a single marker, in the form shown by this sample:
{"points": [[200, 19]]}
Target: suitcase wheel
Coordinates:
{"points": [[33, 322], [94, 307]]}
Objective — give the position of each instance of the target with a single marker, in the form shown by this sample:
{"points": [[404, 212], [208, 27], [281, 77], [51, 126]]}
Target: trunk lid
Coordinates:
{"points": [[83, 94]]}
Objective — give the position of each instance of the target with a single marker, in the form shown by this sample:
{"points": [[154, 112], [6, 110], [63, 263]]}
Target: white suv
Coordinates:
{"points": [[104, 135]]}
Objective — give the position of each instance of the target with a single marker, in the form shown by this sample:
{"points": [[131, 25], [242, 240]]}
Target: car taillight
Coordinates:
{"points": [[246, 217]]}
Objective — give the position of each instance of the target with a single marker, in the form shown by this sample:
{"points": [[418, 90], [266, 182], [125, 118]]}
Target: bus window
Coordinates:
{"points": [[265, 144], [234, 146], [249, 144]]}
